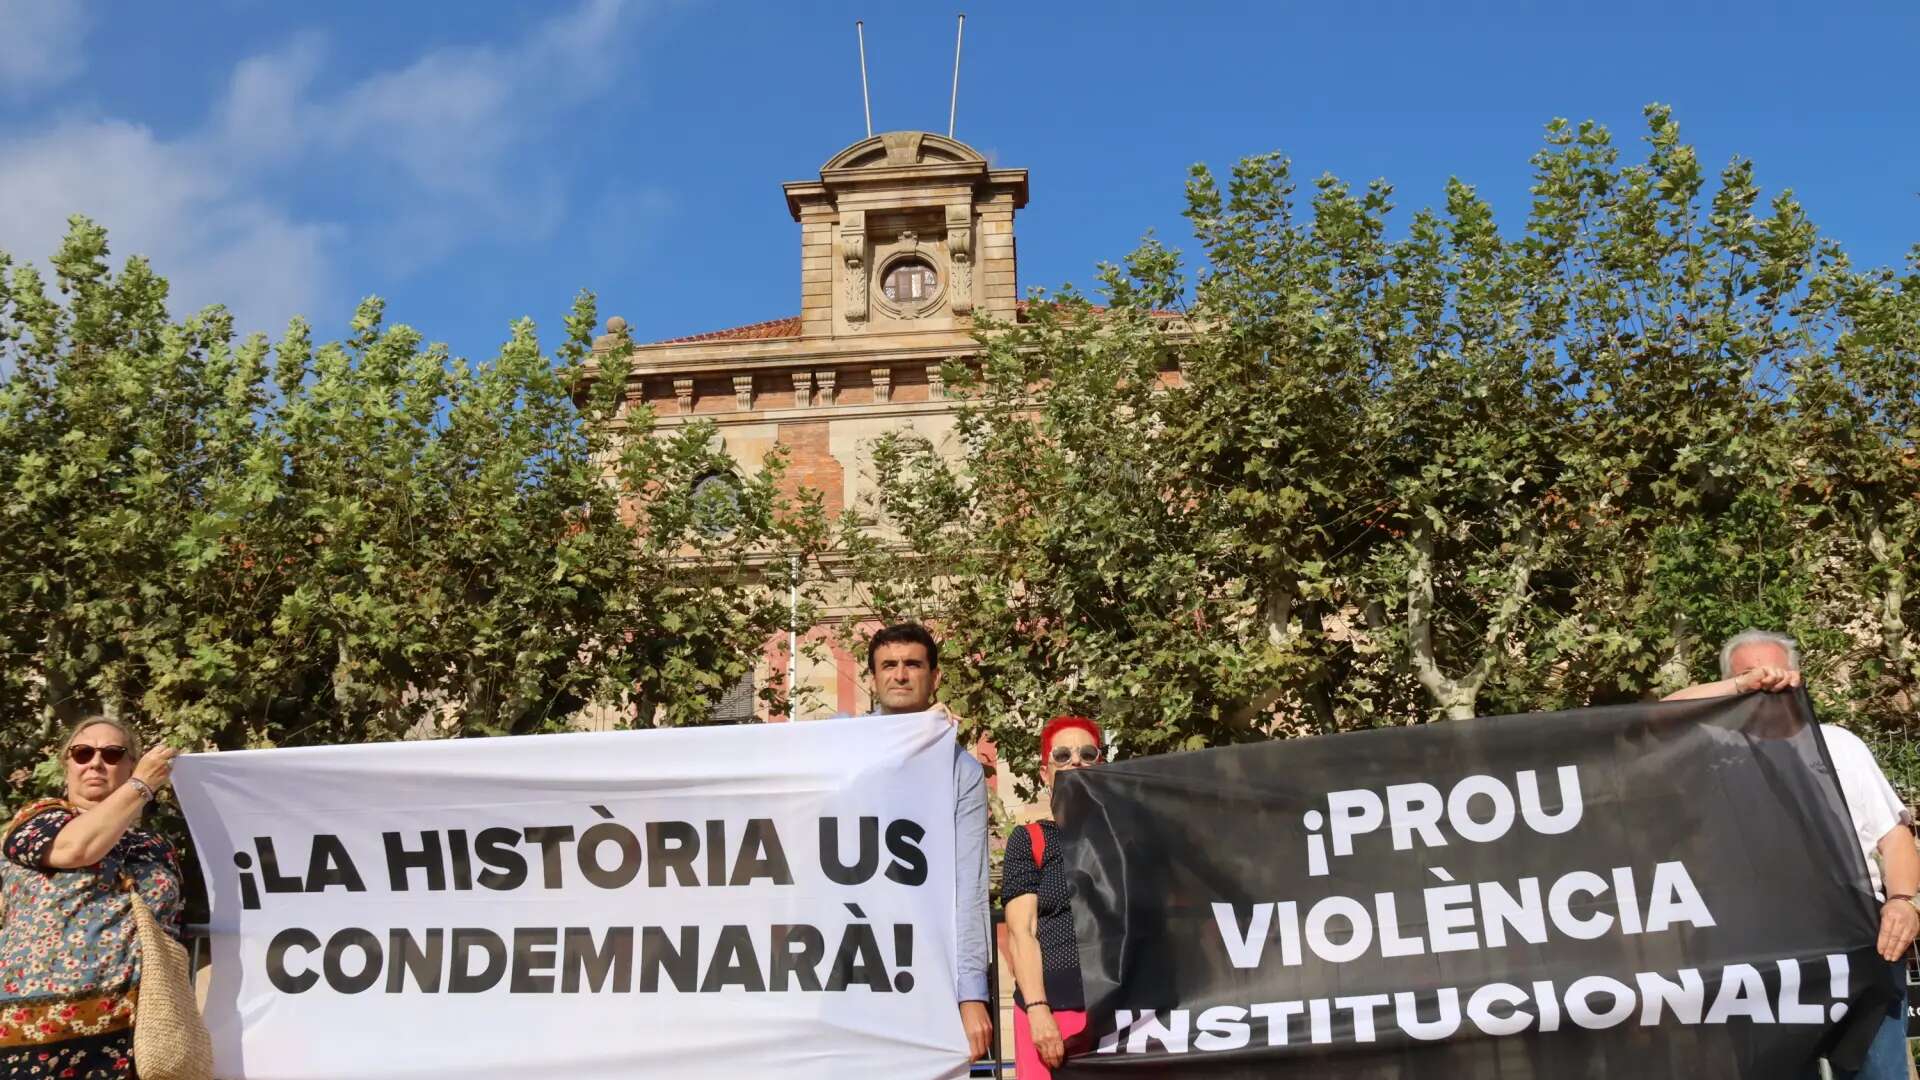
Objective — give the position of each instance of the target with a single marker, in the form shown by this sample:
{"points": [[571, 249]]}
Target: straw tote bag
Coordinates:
{"points": [[170, 1040]]}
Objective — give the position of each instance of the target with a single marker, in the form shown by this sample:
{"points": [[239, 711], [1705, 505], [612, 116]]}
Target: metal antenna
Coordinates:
{"points": [[953, 107], [865, 102]]}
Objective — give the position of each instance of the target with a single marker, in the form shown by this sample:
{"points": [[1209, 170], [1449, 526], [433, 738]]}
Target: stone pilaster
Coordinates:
{"points": [[816, 271]]}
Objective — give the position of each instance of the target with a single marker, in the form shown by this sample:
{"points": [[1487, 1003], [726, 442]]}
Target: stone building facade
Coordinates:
{"points": [[906, 239]]}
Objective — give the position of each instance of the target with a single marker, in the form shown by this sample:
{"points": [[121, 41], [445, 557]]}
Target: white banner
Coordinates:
{"points": [[768, 900]]}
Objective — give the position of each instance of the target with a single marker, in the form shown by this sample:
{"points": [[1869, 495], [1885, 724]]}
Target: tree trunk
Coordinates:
{"points": [[1319, 697], [1276, 615], [1893, 596], [1456, 698], [1677, 671], [481, 706], [61, 695], [1276, 610]]}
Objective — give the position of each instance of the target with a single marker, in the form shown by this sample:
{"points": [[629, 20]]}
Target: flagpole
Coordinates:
{"points": [[865, 102], [953, 106]]}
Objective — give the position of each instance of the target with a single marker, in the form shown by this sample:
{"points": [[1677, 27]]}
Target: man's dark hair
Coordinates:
{"points": [[906, 633]]}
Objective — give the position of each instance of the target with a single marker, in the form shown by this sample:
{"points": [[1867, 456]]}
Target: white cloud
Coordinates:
{"points": [[435, 153], [43, 43], [212, 241], [447, 125]]}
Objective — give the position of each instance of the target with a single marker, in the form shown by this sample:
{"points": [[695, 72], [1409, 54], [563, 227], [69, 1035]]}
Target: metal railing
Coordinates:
{"points": [[196, 941], [995, 1065]]}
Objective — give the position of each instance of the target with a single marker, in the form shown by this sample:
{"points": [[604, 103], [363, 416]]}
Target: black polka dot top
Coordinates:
{"points": [[1059, 950]]}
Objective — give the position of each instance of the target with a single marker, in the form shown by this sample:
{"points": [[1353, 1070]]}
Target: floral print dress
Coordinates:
{"points": [[69, 959]]}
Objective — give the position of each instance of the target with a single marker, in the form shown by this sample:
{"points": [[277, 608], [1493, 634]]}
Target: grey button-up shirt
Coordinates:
{"points": [[970, 874], [971, 913]]}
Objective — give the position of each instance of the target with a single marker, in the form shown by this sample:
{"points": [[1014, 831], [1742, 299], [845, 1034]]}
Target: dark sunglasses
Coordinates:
{"points": [[83, 755], [1064, 755]]}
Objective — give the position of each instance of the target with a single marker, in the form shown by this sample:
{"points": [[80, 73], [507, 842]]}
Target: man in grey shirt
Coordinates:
{"points": [[904, 662]]}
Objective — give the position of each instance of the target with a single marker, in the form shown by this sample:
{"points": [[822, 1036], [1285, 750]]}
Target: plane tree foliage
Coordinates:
{"points": [[240, 542], [1350, 468]]}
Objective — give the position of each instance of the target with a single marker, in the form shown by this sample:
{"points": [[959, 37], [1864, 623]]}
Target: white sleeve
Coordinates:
{"points": [[1870, 798]]}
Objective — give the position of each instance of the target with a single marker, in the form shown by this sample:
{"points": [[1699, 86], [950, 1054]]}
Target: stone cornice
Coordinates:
{"points": [[963, 183], [665, 418], [721, 357]]}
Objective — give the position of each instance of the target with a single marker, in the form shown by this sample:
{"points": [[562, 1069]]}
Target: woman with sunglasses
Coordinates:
{"points": [[69, 962], [1047, 1001]]}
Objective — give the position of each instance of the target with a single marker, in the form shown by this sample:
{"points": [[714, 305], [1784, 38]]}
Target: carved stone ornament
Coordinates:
{"points": [[802, 389], [853, 256], [882, 385], [824, 380], [743, 392], [936, 383], [683, 390], [960, 255], [903, 147]]}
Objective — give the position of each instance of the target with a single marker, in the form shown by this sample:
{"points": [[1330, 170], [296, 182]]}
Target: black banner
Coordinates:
{"points": [[1913, 992], [1648, 890]]}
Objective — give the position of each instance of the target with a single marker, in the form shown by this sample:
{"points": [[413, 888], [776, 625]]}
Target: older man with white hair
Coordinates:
{"points": [[1761, 660]]}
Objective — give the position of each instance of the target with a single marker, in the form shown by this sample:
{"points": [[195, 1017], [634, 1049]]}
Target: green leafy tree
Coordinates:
{"points": [[254, 544], [1350, 478], [1857, 448]]}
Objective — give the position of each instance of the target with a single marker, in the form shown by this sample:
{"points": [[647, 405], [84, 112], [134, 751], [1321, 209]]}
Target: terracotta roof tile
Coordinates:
{"points": [[760, 331], [789, 327]]}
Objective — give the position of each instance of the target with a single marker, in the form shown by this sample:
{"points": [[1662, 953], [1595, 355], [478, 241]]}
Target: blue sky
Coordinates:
{"points": [[477, 162]]}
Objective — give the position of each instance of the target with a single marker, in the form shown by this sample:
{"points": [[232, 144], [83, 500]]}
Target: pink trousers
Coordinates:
{"points": [[1026, 1060]]}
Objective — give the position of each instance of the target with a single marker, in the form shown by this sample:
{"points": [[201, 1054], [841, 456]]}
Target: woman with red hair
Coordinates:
{"points": [[1048, 1004]]}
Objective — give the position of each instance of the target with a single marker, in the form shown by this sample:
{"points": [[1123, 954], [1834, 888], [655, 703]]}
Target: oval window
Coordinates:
{"points": [[716, 504], [909, 281]]}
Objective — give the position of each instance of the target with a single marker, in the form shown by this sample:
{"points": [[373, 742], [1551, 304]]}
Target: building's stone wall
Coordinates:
{"points": [[852, 365]]}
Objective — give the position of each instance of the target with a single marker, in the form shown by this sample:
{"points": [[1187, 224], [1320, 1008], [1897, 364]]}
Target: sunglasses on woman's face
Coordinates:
{"points": [[109, 755], [1064, 755]]}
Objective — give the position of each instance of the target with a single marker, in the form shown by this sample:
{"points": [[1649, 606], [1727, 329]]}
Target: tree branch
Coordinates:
{"points": [[1456, 697], [1893, 596], [1445, 692], [1276, 609], [1318, 695]]}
